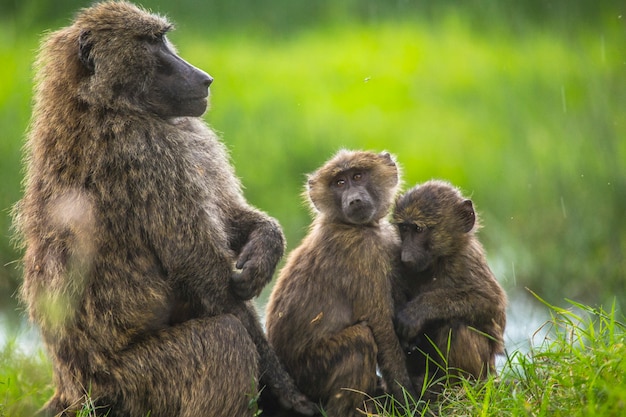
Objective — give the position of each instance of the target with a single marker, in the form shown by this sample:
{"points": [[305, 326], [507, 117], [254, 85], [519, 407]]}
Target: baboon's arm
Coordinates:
{"points": [[258, 241], [391, 359], [472, 306]]}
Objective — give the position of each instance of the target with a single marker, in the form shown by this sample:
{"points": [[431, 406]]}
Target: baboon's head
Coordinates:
{"points": [[432, 219], [354, 187], [118, 57]]}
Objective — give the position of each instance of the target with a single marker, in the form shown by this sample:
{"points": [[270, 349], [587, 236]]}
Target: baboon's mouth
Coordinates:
{"points": [[199, 101], [202, 97], [415, 265], [361, 215]]}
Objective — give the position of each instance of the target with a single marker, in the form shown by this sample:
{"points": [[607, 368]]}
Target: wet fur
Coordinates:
{"points": [[135, 229], [330, 313], [454, 300]]}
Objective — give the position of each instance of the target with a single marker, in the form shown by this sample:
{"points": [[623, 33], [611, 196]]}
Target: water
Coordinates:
{"points": [[19, 331], [525, 319]]}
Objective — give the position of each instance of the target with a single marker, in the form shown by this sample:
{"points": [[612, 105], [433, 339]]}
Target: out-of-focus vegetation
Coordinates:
{"points": [[522, 105], [25, 381]]}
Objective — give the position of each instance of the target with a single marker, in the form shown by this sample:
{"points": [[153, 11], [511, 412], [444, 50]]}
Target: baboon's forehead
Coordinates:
{"points": [[425, 204], [353, 160], [409, 214], [122, 17], [413, 211]]}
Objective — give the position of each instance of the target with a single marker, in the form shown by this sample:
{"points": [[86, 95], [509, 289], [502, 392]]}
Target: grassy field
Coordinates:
{"points": [[528, 120]]}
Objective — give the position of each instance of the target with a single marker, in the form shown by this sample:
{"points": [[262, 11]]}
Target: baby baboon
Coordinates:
{"points": [[330, 313], [140, 249], [446, 292]]}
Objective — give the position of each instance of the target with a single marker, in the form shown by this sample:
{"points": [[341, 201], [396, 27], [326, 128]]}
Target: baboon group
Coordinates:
{"points": [[142, 256]]}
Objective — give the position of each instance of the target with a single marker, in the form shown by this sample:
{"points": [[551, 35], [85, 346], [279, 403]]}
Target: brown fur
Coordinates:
{"points": [[446, 293], [140, 249], [330, 313]]}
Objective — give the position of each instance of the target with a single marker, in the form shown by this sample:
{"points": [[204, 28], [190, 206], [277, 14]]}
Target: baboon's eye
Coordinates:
{"points": [[154, 39], [165, 67], [357, 177], [340, 182], [410, 228]]}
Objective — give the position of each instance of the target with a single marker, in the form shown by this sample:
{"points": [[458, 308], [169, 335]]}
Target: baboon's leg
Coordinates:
{"points": [[424, 359], [272, 371], [459, 351], [341, 371], [203, 367], [470, 353], [53, 407]]}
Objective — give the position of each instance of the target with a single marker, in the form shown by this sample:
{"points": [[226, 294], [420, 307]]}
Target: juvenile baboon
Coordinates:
{"points": [[330, 313], [448, 300], [140, 249]]}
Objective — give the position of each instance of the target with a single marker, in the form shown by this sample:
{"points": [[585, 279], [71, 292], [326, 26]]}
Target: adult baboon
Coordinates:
{"points": [[140, 249], [330, 313], [448, 301]]}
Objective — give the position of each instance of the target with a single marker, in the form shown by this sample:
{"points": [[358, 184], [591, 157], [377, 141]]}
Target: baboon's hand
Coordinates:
{"points": [[249, 280], [306, 408], [255, 266], [258, 257], [408, 326], [301, 405], [241, 287]]}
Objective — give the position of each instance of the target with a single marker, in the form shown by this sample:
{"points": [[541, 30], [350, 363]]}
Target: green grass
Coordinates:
{"points": [[576, 367], [25, 381]]}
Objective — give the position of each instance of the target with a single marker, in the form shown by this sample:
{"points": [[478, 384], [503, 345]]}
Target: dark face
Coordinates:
{"points": [[416, 252], [179, 88], [169, 86], [433, 220], [351, 194]]}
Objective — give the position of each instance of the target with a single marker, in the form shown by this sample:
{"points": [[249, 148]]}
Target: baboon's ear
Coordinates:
{"points": [[466, 215], [84, 50], [310, 183], [389, 161], [388, 158]]}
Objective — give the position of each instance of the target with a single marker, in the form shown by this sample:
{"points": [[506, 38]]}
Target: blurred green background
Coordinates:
{"points": [[522, 104]]}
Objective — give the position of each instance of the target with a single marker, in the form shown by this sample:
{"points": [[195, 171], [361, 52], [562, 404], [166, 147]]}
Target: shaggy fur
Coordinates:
{"points": [[140, 249], [330, 313], [446, 293]]}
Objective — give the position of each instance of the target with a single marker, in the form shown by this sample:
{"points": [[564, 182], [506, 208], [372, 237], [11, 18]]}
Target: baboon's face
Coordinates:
{"points": [[416, 216], [417, 249], [147, 72], [179, 88], [432, 220], [352, 196]]}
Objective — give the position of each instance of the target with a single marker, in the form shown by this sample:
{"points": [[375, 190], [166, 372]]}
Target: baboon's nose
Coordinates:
{"points": [[355, 202]]}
